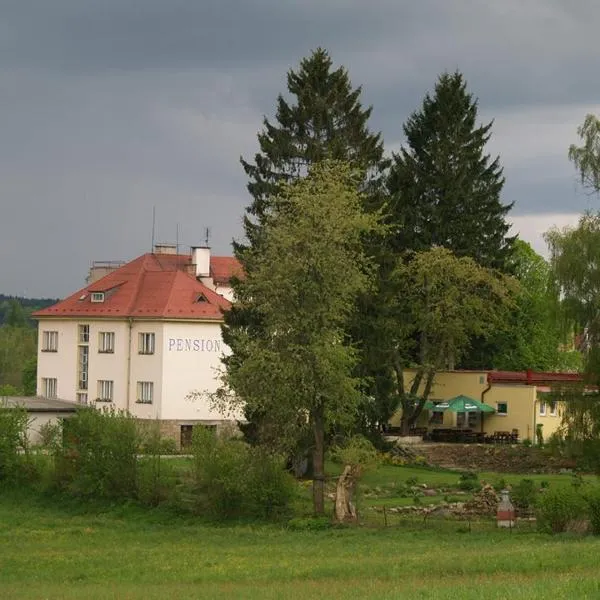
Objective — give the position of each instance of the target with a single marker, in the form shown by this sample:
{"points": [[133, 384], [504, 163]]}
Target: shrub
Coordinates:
{"points": [[98, 454], [557, 507], [592, 497], [234, 480], [469, 481], [524, 494], [14, 449], [50, 435], [356, 451]]}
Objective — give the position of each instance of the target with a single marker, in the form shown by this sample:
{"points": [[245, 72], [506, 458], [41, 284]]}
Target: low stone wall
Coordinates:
{"points": [[173, 428]]}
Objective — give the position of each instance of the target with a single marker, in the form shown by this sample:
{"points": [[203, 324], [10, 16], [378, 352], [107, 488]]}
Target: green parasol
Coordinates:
{"points": [[461, 404]]}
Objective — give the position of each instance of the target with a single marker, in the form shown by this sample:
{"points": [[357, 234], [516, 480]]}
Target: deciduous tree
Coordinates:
{"points": [[586, 157], [303, 283]]}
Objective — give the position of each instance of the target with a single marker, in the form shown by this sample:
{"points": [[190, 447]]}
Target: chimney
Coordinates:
{"points": [[201, 258], [165, 248]]}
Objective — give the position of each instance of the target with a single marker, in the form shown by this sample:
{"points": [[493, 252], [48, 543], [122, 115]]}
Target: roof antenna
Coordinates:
{"points": [[153, 226], [177, 240], [206, 236]]}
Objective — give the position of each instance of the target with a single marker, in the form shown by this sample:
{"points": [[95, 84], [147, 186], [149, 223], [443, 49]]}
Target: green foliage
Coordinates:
{"points": [[17, 311], [29, 376], [592, 497], [559, 506], [50, 435], [469, 481], [524, 494], [445, 189], [539, 434], [586, 157], [358, 452], [234, 480], [14, 447], [442, 301], [98, 456], [17, 346], [529, 336], [302, 284], [8, 390]]}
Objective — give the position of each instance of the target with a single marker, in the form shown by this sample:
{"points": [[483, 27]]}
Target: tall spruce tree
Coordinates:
{"points": [[322, 119], [326, 121], [445, 190]]}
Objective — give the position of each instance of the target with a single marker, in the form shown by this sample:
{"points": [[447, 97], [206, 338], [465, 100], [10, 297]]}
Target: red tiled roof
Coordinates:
{"points": [[532, 377], [152, 285], [223, 268]]}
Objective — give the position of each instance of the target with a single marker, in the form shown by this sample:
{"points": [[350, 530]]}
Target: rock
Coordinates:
{"points": [[430, 492]]}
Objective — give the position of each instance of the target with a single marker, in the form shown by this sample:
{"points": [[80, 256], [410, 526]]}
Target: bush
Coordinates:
{"points": [[234, 480], [14, 450], [592, 497], [356, 451], [524, 494], [98, 455], [557, 507], [50, 434], [469, 481]]}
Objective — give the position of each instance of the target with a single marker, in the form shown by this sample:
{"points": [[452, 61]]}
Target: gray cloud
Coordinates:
{"points": [[110, 108]]}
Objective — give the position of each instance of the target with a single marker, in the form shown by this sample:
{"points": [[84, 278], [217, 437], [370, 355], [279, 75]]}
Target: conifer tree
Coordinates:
{"points": [[325, 121], [321, 119], [445, 190]]}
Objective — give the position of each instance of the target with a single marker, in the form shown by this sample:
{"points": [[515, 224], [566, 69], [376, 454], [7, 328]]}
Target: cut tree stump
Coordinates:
{"points": [[345, 511]]}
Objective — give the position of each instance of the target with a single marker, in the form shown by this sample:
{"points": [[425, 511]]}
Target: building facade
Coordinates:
{"points": [[520, 401], [144, 337]]}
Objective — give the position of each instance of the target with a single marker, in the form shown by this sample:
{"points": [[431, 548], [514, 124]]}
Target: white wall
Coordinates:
{"points": [[38, 420], [146, 367], [191, 362], [110, 366], [62, 364]]}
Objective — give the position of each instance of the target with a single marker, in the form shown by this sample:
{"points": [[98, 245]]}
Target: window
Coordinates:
{"points": [[145, 392], [501, 408], [472, 420], [542, 409], [146, 343], [82, 398], [84, 334], [105, 390], [97, 297], [50, 341], [106, 343], [49, 385], [83, 354], [185, 438], [482, 379], [437, 418], [553, 409]]}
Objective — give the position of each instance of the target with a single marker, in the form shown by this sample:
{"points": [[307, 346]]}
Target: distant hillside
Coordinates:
{"points": [[28, 305]]}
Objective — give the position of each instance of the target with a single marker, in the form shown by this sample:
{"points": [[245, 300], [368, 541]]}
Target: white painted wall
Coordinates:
{"points": [[108, 366], [191, 362], [61, 364], [146, 367], [38, 420], [187, 359]]}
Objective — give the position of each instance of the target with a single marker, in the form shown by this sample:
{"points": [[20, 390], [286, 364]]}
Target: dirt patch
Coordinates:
{"points": [[502, 459]]}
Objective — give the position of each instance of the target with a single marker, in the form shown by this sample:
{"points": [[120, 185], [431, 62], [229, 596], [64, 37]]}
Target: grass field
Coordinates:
{"points": [[50, 551]]}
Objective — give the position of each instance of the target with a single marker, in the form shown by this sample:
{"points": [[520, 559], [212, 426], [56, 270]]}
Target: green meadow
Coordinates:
{"points": [[53, 549]]}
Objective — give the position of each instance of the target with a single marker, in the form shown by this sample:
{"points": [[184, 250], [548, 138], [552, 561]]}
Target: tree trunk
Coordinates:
{"points": [[319, 462], [405, 423], [345, 511]]}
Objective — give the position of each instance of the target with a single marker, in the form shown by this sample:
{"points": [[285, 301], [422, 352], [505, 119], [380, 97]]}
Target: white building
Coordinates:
{"points": [[141, 338]]}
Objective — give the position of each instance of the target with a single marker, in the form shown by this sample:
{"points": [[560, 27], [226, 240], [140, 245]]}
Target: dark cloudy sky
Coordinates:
{"points": [[111, 107]]}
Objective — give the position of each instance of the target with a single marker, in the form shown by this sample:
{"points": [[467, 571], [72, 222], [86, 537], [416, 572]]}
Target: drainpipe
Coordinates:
{"points": [[128, 394], [533, 434], [483, 393]]}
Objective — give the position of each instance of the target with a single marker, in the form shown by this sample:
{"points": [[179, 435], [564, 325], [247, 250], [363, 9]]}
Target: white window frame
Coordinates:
{"points": [[97, 297], [106, 390], [82, 398], [146, 343], [83, 334], [501, 414], [50, 386], [50, 341], [542, 408], [553, 409], [106, 342], [145, 392]]}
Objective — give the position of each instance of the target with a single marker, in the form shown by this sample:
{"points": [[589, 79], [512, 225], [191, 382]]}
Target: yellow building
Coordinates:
{"points": [[520, 401]]}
